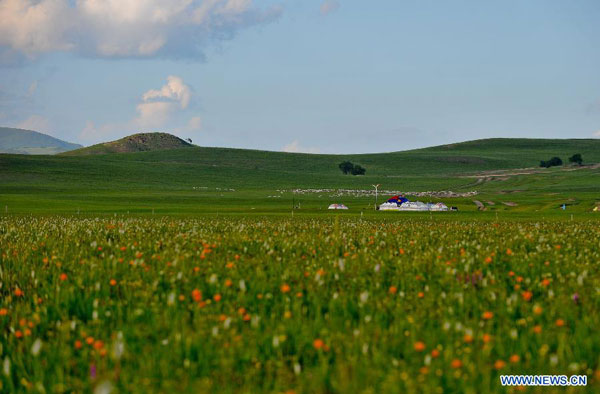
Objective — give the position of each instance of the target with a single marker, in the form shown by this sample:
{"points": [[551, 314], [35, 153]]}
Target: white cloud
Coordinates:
{"points": [[123, 28], [329, 6], [597, 134], [158, 104], [35, 123], [295, 147], [155, 110], [174, 90]]}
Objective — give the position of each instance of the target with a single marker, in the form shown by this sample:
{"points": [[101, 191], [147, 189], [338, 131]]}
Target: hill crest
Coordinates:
{"points": [[140, 142]]}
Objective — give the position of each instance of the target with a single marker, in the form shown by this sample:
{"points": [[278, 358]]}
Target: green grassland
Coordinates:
{"points": [[301, 305], [201, 180], [188, 270]]}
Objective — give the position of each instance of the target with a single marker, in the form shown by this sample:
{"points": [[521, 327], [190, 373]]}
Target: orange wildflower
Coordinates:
{"points": [[537, 329], [228, 282], [487, 338], [468, 338], [393, 289], [545, 282], [19, 292], [18, 334], [487, 315], [560, 322], [456, 363], [247, 317], [537, 310], [509, 252], [419, 346], [113, 282], [318, 343], [421, 294], [197, 295], [217, 297], [488, 260], [3, 312], [78, 344], [527, 295], [499, 364], [515, 358], [435, 353], [285, 288], [98, 344], [63, 277], [241, 311], [89, 340]]}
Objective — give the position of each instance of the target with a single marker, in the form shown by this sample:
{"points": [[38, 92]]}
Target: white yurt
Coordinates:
{"points": [[388, 206], [438, 207], [337, 206]]}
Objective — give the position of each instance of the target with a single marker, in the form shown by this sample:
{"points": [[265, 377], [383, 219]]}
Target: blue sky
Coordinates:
{"points": [[314, 76]]}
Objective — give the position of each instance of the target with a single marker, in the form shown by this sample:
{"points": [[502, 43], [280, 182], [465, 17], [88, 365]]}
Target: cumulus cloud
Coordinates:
{"points": [[329, 6], [156, 109], [295, 147], [123, 28], [35, 123], [158, 104]]}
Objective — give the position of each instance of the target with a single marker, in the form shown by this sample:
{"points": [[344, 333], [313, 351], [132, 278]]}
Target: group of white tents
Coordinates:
{"points": [[413, 206], [400, 203]]}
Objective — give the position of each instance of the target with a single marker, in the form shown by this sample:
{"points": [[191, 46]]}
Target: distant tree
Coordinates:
{"points": [[358, 170], [346, 167], [555, 161], [576, 158]]}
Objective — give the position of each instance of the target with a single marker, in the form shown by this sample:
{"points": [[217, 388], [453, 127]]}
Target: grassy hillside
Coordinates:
{"points": [[198, 179], [141, 142], [31, 142]]}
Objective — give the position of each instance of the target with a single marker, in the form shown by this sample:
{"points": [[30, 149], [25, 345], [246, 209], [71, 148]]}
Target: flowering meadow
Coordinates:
{"points": [[304, 305]]}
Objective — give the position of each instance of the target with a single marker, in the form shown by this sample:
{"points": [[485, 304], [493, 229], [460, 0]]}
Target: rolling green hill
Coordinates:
{"points": [[31, 142], [141, 142], [204, 179]]}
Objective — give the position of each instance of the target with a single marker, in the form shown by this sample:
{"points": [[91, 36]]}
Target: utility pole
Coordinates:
{"points": [[376, 189]]}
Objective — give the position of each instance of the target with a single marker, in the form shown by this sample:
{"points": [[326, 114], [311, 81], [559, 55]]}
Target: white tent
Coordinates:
{"points": [[337, 206], [413, 206], [438, 207], [388, 206]]}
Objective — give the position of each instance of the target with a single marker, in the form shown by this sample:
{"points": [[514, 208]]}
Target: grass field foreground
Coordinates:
{"points": [[302, 305]]}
